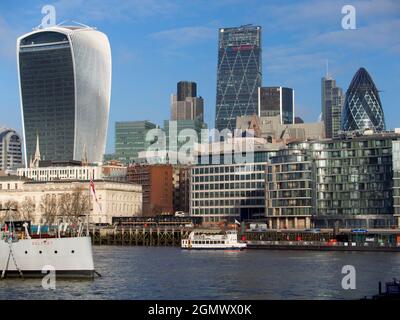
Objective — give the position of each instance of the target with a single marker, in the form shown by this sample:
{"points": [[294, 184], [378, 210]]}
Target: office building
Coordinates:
{"points": [[225, 187], [10, 150], [276, 101], [65, 86], [130, 139], [239, 74], [332, 100], [185, 105], [396, 180], [273, 131], [157, 187], [363, 108], [182, 135], [186, 89]]}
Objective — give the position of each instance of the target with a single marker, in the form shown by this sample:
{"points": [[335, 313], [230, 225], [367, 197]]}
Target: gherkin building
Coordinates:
{"points": [[363, 108]]}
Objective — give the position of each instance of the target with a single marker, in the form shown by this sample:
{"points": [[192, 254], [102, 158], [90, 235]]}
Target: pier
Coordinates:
{"points": [[170, 233], [136, 236]]}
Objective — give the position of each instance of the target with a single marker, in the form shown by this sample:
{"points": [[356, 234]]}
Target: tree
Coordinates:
{"points": [[73, 205], [65, 205], [49, 208], [10, 210], [27, 209]]}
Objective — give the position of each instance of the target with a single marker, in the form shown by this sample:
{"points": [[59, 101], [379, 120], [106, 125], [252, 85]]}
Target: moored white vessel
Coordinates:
{"points": [[212, 240], [29, 257]]}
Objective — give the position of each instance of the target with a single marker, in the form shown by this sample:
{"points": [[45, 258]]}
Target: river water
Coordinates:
{"points": [[172, 273]]}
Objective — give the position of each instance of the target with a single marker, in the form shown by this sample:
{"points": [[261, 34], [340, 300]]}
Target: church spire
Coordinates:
{"points": [[36, 159], [85, 155], [37, 152]]}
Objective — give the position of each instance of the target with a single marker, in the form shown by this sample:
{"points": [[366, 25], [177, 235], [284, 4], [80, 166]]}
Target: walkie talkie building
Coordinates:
{"points": [[65, 87], [363, 108]]}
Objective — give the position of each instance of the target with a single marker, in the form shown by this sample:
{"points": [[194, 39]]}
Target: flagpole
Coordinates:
{"points": [[87, 216]]}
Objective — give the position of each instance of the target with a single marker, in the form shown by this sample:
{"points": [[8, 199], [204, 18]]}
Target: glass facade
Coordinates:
{"points": [[48, 95], [190, 131], [353, 181], [229, 191], [276, 101], [185, 105], [239, 74], [186, 89], [62, 100], [289, 188], [332, 103], [396, 177], [130, 139], [363, 108]]}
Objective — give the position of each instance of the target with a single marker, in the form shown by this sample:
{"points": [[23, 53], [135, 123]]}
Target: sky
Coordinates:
{"points": [[156, 43]]}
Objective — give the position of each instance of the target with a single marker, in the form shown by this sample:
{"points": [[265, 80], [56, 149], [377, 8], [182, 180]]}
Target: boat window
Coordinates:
{"points": [[73, 251], [40, 252], [55, 252], [26, 252]]}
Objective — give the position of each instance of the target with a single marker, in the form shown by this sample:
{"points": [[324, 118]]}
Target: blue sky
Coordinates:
{"points": [[156, 43]]}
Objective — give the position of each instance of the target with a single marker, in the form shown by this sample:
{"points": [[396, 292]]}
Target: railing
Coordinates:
{"points": [[323, 244]]}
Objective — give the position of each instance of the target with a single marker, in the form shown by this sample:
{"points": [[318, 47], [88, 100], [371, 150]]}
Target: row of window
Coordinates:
{"points": [[207, 242], [227, 186], [231, 177], [229, 169], [229, 202]]}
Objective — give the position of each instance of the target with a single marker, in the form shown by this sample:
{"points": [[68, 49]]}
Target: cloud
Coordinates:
{"points": [[118, 10], [185, 36], [379, 36], [314, 34]]}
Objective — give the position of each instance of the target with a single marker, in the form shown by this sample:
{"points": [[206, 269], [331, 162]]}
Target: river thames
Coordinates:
{"points": [[167, 273]]}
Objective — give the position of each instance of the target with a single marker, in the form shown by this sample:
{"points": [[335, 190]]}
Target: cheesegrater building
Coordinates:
{"points": [[239, 74], [65, 86]]}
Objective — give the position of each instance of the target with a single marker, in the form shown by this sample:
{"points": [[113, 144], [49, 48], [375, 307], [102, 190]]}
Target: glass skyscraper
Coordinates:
{"points": [[239, 74], [185, 105], [363, 107], [276, 101], [65, 87], [332, 100], [130, 139], [186, 89]]}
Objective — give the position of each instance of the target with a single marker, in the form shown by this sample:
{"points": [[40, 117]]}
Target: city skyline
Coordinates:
{"points": [[289, 57]]}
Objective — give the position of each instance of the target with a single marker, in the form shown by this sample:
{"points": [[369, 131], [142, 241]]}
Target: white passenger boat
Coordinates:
{"points": [[24, 256], [201, 239]]}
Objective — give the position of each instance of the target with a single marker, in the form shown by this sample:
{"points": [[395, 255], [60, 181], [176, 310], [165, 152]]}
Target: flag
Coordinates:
{"points": [[237, 222], [93, 189]]}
